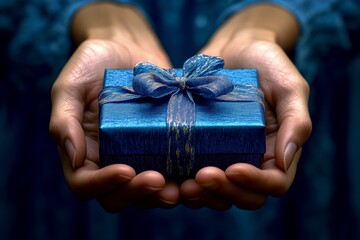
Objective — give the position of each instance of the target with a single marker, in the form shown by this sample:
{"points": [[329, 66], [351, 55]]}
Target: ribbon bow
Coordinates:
{"points": [[197, 78]]}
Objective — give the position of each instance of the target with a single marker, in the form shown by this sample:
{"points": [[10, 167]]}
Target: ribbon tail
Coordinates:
{"points": [[116, 94], [244, 93], [202, 65], [180, 129]]}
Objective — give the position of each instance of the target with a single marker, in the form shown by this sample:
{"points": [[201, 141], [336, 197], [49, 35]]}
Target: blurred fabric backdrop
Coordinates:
{"points": [[36, 203]]}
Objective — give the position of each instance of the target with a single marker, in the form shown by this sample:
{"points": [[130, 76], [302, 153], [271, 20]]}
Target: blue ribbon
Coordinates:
{"points": [[198, 78]]}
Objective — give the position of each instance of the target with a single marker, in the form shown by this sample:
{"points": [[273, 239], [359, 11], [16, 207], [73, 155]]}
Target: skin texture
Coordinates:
{"points": [[251, 38]]}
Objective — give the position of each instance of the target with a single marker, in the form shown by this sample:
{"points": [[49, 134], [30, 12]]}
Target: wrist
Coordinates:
{"points": [[121, 24], [270, 17], [259, 22], [99, 21], [246, 38], [112, 21], [250, 35]]}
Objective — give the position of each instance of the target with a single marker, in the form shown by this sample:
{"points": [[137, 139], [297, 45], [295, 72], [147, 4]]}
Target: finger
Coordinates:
{"points": [[192, 194], [89, 181], [133, 192], [195, 196], [168, 197], [65, 125], [269, 180], [215, 180]]}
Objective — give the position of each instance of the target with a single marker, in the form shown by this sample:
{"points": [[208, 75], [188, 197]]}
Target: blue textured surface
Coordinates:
{"points": [[197, 79], [134, 132]]}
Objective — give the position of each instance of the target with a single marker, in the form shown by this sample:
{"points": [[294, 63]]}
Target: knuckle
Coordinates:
{"points": [[306, 87], [307, 127], [281, 189], [53, 128], [93, 49]]}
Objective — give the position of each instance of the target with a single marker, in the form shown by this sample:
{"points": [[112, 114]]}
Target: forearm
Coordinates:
{"points": [[261, 21]]}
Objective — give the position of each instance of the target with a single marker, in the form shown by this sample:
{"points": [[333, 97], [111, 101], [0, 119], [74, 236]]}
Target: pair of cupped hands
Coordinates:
{"points": [[74, 126]]}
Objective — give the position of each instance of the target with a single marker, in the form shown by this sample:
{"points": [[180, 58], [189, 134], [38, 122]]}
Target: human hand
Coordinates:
{"points": [[74, 121], [288, 126]]}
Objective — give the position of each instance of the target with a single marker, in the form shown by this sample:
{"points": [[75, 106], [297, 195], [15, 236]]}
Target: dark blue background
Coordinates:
{"points": [[35, 202]]}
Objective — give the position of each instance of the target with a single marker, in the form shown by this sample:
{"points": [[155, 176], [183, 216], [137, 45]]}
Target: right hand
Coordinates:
{"points": [[74, 126]]}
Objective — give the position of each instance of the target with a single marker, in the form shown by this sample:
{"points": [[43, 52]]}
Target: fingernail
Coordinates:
{"points": [[168, 202], [289, 155], [155, 188], [70, 151]]}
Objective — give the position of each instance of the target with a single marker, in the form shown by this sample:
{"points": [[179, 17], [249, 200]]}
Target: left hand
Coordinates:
{"points": [[288, 126]]}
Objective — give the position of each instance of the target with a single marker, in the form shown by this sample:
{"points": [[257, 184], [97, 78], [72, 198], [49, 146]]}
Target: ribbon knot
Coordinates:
{"points": [[197, 78], [182, 82]]}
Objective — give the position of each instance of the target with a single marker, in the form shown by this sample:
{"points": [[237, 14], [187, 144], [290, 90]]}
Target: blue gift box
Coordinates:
{"points": [[226, 132]]}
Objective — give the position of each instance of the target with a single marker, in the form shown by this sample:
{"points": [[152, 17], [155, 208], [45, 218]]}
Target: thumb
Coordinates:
{"points": [[295, 127], [65, 123]]}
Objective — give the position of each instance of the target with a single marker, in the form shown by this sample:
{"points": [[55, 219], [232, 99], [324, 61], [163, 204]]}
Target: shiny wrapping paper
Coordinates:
{"points": [[134, 132]]}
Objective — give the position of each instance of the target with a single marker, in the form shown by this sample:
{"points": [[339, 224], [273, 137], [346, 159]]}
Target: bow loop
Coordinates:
{"points": [[210, 87], [152, 85], [167, 76], [202, 65]]}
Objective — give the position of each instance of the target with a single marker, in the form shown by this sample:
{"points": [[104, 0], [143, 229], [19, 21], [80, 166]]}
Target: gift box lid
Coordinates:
{"points": [[139, 126]]}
